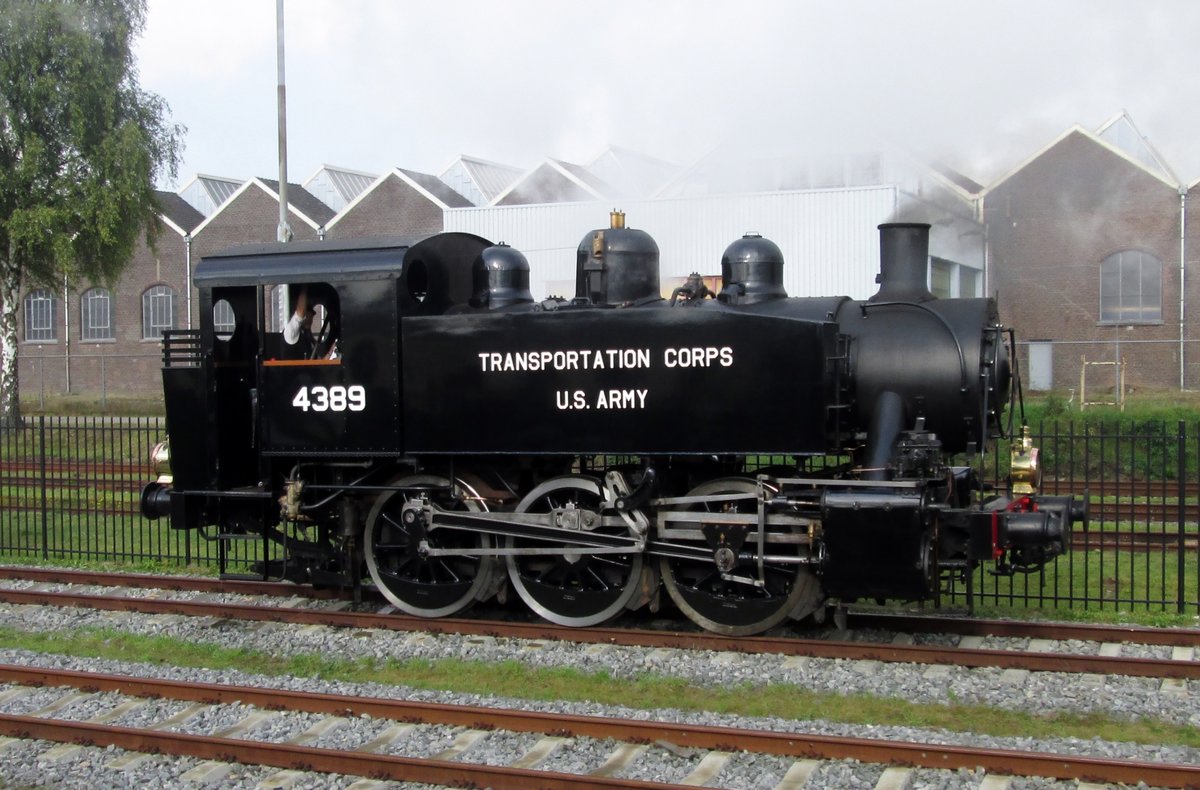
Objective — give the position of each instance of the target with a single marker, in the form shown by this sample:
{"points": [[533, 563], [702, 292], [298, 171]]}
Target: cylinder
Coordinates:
{"points": [[752, 271], [501, 277], [617, 266]]}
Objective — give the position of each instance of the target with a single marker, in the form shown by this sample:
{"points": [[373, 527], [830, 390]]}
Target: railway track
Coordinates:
{"points": [[1040, 656], [1129, 540], [707, 747]]}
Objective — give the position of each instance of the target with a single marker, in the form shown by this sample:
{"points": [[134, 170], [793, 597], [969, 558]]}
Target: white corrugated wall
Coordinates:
{"points": [[828, 237]]}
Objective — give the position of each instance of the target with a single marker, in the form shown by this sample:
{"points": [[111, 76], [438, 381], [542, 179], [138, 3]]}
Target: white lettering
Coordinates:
{"points": [[704, 357], [335, 398], [569, 359], [621, 399], [568, 399]]}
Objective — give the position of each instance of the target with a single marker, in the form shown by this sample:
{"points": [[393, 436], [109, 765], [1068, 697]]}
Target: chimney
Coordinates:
{"points": [[903, 263]]}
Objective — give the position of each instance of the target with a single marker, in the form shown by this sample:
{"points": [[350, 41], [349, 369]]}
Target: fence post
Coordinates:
{"points": [[42, 466], [1181, 492]]}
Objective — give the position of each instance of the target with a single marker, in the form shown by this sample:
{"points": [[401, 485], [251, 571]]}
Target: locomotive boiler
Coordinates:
{"points": [[753, 455]]}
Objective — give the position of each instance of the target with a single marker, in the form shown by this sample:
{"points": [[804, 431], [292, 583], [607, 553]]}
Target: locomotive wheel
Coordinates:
{"points": [[737, 608], [422, 585], [572, 588]]}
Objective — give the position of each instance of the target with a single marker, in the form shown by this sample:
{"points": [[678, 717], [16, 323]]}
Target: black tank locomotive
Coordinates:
{"points": [[752, 454]]}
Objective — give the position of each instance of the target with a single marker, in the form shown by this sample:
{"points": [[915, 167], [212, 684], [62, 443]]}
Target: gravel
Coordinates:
{"points": [[1043, 692]]}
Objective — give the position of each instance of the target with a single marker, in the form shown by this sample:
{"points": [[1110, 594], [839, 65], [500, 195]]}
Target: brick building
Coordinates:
{"points": [[104, 338], [398, 203], [1087, 249], [106, 341]]}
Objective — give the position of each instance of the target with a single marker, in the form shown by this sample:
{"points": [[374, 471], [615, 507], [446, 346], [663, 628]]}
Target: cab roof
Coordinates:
{"points": [[263, 264]]}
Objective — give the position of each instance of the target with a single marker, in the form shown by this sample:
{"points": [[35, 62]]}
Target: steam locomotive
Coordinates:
{"points": [[754, 455]]}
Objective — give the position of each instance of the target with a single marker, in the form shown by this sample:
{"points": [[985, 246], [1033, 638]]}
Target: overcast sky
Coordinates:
{"points": [[373, 84]]}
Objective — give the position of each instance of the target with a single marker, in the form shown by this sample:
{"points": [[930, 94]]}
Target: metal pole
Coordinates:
{"points": [[1182, 277], [284, 231], [45, 509], [66, 337], [1181, 493], [187, 275]]}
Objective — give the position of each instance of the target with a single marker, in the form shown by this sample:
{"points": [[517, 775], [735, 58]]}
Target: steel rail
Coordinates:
{"points": [[885, 621], [150, 581], [856, 651], [309, 758], [1083, 632], [1129, 540], [800, 745]]}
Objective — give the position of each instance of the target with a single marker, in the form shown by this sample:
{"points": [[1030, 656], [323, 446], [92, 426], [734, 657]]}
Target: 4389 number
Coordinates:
{"points": [[335, 398]]}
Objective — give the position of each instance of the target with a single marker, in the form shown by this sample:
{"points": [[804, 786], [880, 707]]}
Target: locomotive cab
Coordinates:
{"points": [[237, 395]]}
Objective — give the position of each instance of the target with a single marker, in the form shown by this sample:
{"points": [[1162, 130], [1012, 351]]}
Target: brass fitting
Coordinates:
{"points": [[616, 219], [1025, 475], [160, 462], [291, 499]]}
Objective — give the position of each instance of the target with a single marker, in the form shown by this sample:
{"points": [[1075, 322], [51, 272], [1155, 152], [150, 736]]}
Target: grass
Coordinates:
{"points": [[78, 441], [1114, 580], [93, 405], [645, 691], [113, 542], [135, 565]]}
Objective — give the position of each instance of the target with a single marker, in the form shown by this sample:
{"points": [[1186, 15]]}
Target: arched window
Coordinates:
{"points": [[224, 322], [95, 315], [1130, 288], [158, 311], [41, 316]]}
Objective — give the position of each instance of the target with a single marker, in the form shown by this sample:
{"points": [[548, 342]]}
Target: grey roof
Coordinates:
{"points": [[336, 187], [971, 186], [594, 181], [303, 201], [178, 210], [220, 188], [207, 193], [634, 174], [438, 188], [478, 179], [1121, 132], [555, 181]]}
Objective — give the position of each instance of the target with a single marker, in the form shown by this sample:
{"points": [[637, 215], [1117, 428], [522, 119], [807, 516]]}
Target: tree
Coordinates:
{"points": [[81, 146]]}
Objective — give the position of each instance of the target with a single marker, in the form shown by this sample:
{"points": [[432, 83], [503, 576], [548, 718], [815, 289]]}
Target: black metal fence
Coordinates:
{"points": [[1138, 549], [70, 486]]}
